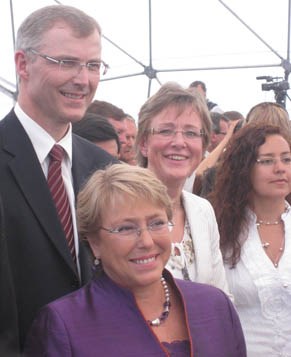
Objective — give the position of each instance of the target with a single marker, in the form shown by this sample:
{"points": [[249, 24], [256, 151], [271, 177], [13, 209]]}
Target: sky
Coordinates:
{"points": [[201, 35]]}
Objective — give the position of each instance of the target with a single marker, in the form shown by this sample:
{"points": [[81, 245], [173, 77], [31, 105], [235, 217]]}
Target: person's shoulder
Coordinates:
{"points": [[85, 144], [216, 109], [7, 119], [199, 202], [99, 294], [198, 287], [203, 294], [74, 301], [89, 150]]}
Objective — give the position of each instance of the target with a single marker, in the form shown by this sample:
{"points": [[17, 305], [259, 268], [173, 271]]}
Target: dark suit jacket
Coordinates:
{"points": [[42, 266], [8, 312]]}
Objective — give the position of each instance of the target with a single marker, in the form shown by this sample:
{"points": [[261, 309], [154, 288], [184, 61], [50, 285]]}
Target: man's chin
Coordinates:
{"points": [[75, 117]]}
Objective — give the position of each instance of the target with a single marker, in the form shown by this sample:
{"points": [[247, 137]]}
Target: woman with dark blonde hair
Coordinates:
{"points": [[269, 113], [254, 221], [173, 133]]}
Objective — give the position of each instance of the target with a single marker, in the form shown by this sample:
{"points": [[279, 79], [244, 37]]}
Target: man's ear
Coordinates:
{"points": [[21, 64]]}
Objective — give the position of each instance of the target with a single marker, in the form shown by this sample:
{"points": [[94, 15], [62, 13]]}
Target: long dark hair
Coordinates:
{"points": [[233, 186]]}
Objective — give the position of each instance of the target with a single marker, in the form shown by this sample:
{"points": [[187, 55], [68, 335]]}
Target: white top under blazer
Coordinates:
{"points": [[205, 264]]}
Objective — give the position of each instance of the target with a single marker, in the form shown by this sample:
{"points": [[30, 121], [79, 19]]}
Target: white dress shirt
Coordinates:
{"points": [[42, 143]]}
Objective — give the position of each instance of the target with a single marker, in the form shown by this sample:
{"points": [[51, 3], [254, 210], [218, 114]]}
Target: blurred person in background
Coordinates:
{"points": [[128, 153], [219, 130], [115, 115], [98, 130], [270, 113], [233, 115], [201, 87], [205, 172]]}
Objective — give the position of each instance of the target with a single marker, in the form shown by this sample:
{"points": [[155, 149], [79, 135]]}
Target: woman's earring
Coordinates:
{"points": [[96, 261]]}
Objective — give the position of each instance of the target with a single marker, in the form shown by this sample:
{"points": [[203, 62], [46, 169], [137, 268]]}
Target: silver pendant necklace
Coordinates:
{"points": [[266, 245]]}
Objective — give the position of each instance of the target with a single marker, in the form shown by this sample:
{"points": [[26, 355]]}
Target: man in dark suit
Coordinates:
{"points": [[58, 63]]}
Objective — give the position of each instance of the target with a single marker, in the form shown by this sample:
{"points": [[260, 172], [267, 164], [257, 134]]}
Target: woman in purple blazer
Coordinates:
{"points": [[134, 307]]}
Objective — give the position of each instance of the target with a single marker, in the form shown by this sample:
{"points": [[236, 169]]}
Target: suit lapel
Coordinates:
{"points": [[81, 164], [32, 183]]}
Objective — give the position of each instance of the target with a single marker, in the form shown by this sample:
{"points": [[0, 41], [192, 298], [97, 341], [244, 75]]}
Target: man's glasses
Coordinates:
{"points": [[270, 161], [191, 134], [131, 231], [75, 66]]}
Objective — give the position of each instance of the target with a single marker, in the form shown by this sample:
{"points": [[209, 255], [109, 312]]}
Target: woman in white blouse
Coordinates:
{"points": [[254, 221], [173, 133]]}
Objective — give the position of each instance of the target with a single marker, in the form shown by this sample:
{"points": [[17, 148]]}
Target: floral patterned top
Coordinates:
{"points": [[182, 259]]}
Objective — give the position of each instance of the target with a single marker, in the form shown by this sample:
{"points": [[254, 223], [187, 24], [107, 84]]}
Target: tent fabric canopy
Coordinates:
{"points": [[225, 43]]}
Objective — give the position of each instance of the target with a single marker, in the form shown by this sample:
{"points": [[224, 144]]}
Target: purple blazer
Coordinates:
{"points": [[102, 319]]}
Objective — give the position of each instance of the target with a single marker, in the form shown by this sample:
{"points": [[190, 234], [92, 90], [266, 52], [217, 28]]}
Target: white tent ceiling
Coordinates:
{"points": [[225, 43]]}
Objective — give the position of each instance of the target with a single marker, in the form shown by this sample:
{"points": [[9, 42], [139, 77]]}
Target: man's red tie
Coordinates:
{"points": [[59, 194]]}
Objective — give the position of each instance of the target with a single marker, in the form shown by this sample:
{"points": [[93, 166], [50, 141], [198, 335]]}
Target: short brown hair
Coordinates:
{"points": [[171, 95], [270, 113], [106, 109], [33, 28]]}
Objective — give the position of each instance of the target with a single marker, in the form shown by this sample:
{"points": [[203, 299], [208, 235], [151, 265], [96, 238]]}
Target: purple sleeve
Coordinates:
{"points": [[239, 339], [48, 336]]}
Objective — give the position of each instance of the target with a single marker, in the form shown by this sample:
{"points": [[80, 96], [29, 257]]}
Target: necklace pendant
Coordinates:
{"points": [[276, 265], [155, 322], [167, 304], [265, 245]]}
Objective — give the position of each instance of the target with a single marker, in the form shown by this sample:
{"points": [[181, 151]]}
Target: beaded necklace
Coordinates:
{"points": [[167, 304]]}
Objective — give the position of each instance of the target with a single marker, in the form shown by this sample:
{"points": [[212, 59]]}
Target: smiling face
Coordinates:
{"points": [[138, 262], [173, 159], [53, 97], [272, 181]]}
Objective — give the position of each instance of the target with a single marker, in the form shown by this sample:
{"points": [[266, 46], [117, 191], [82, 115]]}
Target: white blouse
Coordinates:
{"points": [[262, 294]]}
